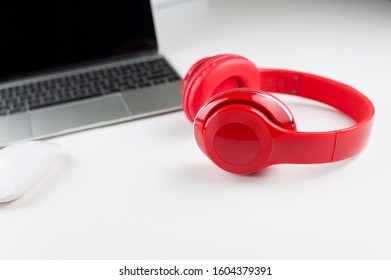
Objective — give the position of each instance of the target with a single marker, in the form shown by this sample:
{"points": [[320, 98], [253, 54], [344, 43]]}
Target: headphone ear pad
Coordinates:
{"points": [[214, 75], [192, 71]]}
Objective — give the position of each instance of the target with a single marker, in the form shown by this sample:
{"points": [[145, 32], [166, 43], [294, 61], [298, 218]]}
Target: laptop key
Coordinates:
{"points": [[17, 110], [172, 78]]}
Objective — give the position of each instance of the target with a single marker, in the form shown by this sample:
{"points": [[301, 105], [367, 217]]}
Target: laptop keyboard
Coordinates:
{"points": [[84, 85]]}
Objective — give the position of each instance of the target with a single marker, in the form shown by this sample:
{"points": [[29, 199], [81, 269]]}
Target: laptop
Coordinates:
{"points": [[67, 66]]}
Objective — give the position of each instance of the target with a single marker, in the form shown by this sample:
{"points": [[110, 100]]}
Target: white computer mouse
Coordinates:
{"points": [[22, 165]]}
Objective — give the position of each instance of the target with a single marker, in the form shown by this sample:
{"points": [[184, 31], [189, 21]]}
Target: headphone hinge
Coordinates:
{"points": [[289, 82]]}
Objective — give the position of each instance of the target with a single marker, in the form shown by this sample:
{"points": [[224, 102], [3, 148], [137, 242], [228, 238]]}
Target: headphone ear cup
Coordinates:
{"points": [[213, 75], [233, 128]]}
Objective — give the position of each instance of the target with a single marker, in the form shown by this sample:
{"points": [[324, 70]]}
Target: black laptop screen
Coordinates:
{"points": [[36, 36]]}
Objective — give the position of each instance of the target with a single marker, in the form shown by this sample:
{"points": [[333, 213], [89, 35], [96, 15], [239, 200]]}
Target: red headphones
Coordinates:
{"points": [[242, 128]]}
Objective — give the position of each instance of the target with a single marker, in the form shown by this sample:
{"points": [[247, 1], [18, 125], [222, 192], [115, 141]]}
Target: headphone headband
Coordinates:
{"points": [[319, 147]]}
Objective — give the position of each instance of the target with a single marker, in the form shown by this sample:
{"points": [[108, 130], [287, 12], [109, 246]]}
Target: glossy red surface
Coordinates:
{"points": [[247, 142], [246, 129], [237, 144]]}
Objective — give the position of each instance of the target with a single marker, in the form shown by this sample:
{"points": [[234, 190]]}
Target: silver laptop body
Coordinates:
{"points": [[85, 87]]}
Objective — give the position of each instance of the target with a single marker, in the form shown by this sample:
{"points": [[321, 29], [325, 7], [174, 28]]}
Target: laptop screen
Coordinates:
{"points": [[36, 36]]}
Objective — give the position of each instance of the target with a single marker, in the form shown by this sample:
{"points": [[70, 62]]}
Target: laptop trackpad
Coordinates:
{"points": [[71, 117]]}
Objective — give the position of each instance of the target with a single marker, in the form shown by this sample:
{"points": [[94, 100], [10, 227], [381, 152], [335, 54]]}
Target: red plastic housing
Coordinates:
{"points": [[245, 130]]}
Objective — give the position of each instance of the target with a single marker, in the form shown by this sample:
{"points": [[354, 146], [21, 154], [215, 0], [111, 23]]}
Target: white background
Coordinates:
{"points": [[143, 189]]}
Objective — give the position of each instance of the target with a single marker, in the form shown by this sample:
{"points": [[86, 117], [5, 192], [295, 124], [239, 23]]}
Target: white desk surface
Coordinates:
{"points": [[143, 189]]}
